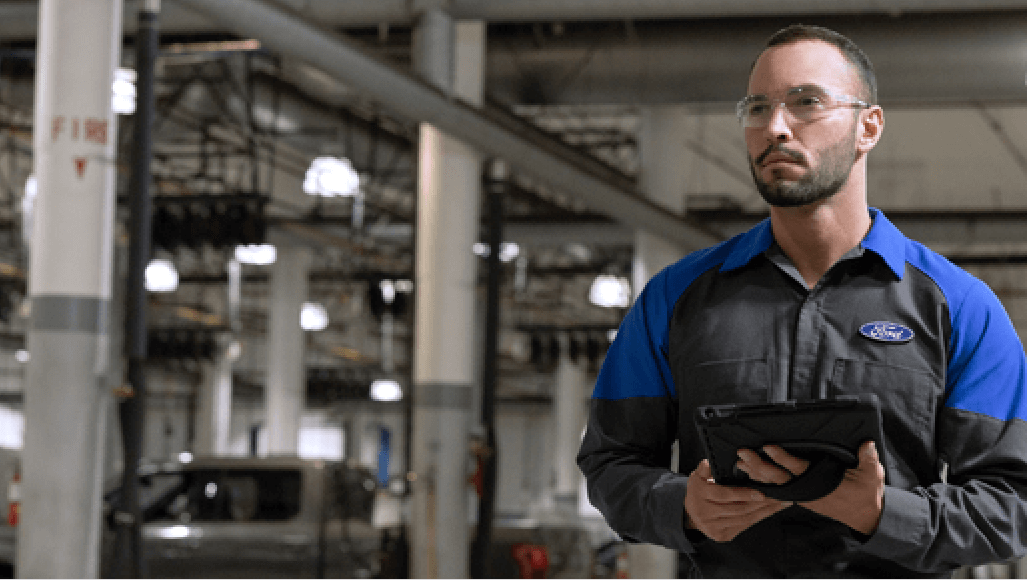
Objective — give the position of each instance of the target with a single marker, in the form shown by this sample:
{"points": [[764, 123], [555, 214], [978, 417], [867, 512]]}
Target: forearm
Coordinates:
{"points": [[978, 516], [625, 458]]}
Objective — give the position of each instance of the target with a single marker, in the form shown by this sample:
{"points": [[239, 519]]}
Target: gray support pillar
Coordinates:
{"points": [[214, 408], [214, 405], [662, 139], [446, 273], [568, 421], [286, 375], [70, 285]]}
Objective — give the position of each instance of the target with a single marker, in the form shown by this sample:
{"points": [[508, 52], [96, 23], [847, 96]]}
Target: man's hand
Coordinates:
{"points": [[859, 499], [722, 512]]}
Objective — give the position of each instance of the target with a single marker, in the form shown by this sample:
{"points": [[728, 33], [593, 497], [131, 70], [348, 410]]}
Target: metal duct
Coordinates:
{"points": [[490, 131]]}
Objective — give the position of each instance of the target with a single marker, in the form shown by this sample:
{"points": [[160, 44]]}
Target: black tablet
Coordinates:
{"points": [[827, 432]]}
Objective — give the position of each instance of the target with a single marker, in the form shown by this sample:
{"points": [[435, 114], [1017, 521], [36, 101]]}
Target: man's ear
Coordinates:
{"points": [[871, 126]]}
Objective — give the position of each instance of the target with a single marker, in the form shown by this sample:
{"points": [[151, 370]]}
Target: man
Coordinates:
{"points": [[775, 314]]}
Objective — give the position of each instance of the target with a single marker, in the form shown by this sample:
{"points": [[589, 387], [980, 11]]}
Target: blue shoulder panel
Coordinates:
{"points": [[636, 364], [987, 371]]}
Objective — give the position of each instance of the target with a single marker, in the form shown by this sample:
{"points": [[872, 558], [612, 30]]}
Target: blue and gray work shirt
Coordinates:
{"points": [[735, 323]]}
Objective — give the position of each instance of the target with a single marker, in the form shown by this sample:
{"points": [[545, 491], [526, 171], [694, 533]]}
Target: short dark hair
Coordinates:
{"points": [[852, 53]]}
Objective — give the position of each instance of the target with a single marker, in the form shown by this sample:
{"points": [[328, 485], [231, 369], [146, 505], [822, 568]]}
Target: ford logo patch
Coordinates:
{"points": [[886, 332]]}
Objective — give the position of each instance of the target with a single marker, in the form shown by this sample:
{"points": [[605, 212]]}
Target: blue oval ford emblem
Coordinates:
{"points": [[886, 332]]}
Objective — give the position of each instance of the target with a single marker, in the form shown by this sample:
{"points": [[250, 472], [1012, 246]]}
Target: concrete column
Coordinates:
{"points": [[214, 404], [451, 57], [662, 179], [286, 376], [568, 421], [70, 285]]}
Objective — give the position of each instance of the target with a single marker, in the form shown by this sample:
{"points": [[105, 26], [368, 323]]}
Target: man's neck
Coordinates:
{"points": [[814, 237]]}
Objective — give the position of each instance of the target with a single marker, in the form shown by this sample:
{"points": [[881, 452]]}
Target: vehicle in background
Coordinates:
{"points": [[279, 517], [10, 487]]}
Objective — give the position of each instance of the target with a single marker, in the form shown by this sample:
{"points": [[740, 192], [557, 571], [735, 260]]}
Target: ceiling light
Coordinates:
{"points": [[123, 101], [388, 289], [313, 317], [161, 276], [21, 355], [331, 177], [256, 254], [610, 291], [508, 251], [387, 390]]}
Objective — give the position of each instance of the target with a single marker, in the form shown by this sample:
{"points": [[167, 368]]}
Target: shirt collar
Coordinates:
{"points": [[883, 239]]}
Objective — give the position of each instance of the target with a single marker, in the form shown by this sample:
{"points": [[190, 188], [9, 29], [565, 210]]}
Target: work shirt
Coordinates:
{"points": [[736, 324]]}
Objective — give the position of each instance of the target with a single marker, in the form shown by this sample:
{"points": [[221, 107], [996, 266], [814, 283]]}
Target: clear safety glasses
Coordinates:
{"points": [[806, 103]]}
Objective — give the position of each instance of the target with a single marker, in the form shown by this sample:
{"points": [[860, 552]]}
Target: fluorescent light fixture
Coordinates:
{"points": [[161, 276], [123, 101], [256, 254], [331, 177], [480, 249], [185, 457], [313, 317], [386, 390], [610, 291], [22, 355], [174, 532]]}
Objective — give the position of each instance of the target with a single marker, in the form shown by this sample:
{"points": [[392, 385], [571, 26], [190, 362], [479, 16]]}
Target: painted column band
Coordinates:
{"points": [[70, 314], [443, 395]]}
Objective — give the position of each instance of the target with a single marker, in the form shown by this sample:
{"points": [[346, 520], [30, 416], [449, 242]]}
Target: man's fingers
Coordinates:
{"points": [[726, 529], [745, 510], [759, 470], [722, 494], [786, 460]]}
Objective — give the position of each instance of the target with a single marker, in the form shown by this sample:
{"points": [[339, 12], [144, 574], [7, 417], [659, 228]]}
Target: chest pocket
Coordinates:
{"points": [[908, 401], [726, 381]]}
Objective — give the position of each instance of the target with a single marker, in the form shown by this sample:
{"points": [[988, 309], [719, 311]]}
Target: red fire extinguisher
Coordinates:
{"points": [[13, 499]]}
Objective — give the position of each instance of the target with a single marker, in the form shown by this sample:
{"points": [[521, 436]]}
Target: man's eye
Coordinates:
{"points": [[757, 109], [807, 101]]}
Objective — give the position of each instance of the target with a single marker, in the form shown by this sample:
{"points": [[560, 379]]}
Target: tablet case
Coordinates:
{"points": [[826, 432]]}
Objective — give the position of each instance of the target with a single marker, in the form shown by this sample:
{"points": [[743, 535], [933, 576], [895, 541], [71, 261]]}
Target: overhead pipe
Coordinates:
{"points": [[489, 130]]}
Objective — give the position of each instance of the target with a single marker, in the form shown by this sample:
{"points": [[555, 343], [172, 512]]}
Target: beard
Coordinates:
{"points": [[820, 183]]}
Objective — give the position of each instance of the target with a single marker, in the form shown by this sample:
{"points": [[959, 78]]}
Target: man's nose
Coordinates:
{"points": [[778, 125]]}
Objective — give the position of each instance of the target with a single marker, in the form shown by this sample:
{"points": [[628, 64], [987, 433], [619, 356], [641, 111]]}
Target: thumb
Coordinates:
{"points": [[868, 453], [703, 469]]}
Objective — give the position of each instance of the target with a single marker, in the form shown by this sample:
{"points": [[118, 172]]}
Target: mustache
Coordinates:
{"points": [[778, 148]]}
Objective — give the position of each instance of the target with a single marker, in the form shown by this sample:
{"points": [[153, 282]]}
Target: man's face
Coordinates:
{"points": [[795, 162]]}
